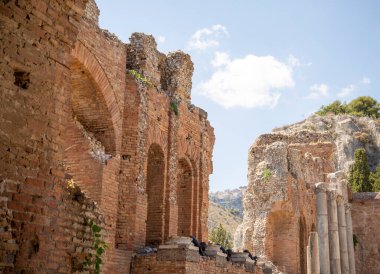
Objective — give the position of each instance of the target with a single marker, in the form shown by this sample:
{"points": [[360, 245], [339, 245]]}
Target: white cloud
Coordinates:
{"points": [[161, 39], [252, 81], [366, 81], [221, 58], [207, 38], [347, 91], [318, 91], [295, 62]]}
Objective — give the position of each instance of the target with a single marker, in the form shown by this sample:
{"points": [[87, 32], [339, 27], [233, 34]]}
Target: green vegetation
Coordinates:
{"points": [[375, 180], [267, 174], [360, 178], [221, 236], [174, 107], [95, 260], [363, 106], [359, 172], [139, 77]]}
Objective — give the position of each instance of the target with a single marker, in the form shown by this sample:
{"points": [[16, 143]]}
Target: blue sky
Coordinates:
{"points": [[260, 64]]}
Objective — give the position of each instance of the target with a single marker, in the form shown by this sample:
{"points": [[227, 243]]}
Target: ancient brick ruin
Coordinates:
{"points": [[93, 129]]}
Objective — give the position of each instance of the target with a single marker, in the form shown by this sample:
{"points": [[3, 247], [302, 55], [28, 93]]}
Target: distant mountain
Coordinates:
{"points": [[231, 199]]}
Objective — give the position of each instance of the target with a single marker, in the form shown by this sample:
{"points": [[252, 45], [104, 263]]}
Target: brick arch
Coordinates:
{"points": [[155, 187], [89, 107], [81, 54], [185, 181]]}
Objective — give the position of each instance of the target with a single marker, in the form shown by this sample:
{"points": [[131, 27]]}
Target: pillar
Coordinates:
{"points": [[322, 228], [344, 262], [313, 264], [350, 242], [333, 233]]}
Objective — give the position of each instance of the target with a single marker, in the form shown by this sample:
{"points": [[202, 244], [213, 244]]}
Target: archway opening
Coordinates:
{"points": [[89, 138], [90, 109], [155, 192], [283, 241], [184, 198]]}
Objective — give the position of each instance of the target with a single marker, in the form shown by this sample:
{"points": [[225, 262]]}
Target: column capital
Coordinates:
{"points": [[340, 199], [321, 187], [332, 194]]}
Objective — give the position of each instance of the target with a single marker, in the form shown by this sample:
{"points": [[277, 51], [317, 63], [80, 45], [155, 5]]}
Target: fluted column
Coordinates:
{"points": [[322, 227], [350, 243], [333, 233], [313, 264], [344, 262]]}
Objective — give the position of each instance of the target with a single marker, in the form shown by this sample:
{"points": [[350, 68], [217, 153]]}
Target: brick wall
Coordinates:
{"points": [[184, 260], [71, 111], [365, 212]]}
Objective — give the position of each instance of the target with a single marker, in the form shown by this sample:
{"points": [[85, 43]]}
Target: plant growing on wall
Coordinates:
{"points": [[174, 107], [139, 77], [100, 246], [267, 174], [359, 175], [220, 235]]}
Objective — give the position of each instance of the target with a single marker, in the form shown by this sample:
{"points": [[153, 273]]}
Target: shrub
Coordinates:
{"points": [[335, 107], [375, 180], [267, 174], [359, 175], [220, 235]]}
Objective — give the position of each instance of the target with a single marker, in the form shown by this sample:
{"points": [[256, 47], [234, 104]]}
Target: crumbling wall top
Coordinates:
{"points": [[171, 73], [92, 12], [178, 73]]}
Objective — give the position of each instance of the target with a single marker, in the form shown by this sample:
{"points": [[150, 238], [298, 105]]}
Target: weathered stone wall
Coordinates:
{"points": [[279, 205], [72, 110], [366, 227]]}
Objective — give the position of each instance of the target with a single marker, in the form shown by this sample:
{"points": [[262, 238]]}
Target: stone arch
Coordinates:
{"points": [[185, 197], [155, 195], [89, 136], [89, 107]]}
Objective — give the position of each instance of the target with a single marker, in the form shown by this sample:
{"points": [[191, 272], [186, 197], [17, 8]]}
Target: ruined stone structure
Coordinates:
{"points": [[93, 129], [284, 219]]}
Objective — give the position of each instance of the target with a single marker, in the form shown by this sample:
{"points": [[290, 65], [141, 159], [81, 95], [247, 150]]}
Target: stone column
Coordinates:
{"points": [[333, 233], [350, 243], [344, 262], [322, 227], [313, 264]]}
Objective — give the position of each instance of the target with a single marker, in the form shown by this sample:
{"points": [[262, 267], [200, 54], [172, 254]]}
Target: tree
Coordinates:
{"points": [[335, 107], [364, 106], [375, 180], [221, 236], [359, 173]]}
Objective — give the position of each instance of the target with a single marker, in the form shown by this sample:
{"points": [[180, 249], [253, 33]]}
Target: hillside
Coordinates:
{"points": [[218, 214]]}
